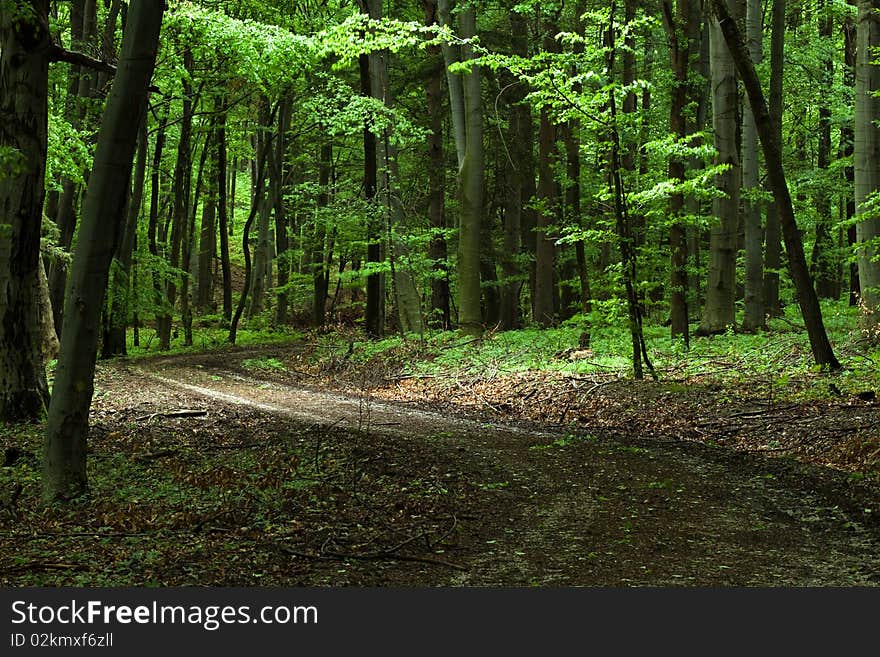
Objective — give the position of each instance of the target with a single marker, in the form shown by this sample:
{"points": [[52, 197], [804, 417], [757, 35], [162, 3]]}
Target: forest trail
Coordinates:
{"points": [[554, 509]]}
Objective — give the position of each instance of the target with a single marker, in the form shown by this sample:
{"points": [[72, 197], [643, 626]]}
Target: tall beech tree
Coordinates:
{"points": [[797, 263], [867, 155], [64, 458]]}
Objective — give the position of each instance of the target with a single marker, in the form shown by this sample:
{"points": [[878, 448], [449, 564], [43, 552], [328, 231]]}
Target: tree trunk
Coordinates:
{"points": [[188, 243], [824, 258], [113, 342], [545, 253], [180, 217], [440, 315], [319, 274], [867, 156], [470, 189], [773, 232], [624, 227], [261, 159], [753, 317], [678, 29], [846, 151], [24, 71], [208, 232], [374, 324], [65, 215], [797, 263], [222, 219], [282, 241], [64, 458], [719, 312]]}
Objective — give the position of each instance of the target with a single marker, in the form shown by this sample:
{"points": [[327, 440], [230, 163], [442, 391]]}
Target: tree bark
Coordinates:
{"points": [[440, 315], [719, 312], [64, 457], [678, 28], [753, 317], [222, 217], [773, 231], [180, 217], [113, 342], [867, 157], [824, 258], [282, 241], [470, 190], [24, 75]]}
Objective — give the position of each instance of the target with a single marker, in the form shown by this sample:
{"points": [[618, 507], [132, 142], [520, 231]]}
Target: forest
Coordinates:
{"points": [[458, 292]]}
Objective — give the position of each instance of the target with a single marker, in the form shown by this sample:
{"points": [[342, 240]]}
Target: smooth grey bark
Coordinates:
{"points": [[753, 317], [64, 456], [452, 54], [719, 311], [470, 189], [24, 72], [867, 156]]}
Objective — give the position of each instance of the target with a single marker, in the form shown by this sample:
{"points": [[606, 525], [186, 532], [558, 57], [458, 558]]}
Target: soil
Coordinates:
{"points": [[516, 481]]}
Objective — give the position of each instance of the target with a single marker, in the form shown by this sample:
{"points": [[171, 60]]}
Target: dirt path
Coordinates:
{"points": [[557, 509]]}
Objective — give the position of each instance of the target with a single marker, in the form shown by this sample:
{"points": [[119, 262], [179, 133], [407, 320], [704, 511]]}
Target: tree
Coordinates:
{"points": [[467, 123], [64, 458], [772, 233], [24, 71], [471, 189], [867, 155], [753, 317], [797, 263], [719, 312]]}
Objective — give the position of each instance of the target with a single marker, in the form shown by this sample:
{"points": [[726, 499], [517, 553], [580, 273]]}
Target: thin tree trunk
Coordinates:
{"points": [[773, 231], [222, 220], [180, 217], [282, 241], [624, 228], [846, 151], [824, 258], [64, 457], [753, 317], [113, 341], [261, 159], [440, 315], [208, 231], [319, 278]]}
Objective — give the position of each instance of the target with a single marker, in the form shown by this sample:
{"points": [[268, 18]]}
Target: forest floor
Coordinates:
{"points": [[274, 466]]}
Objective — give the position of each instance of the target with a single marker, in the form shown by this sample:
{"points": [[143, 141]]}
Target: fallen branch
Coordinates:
{"points": [[172, 414]]}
